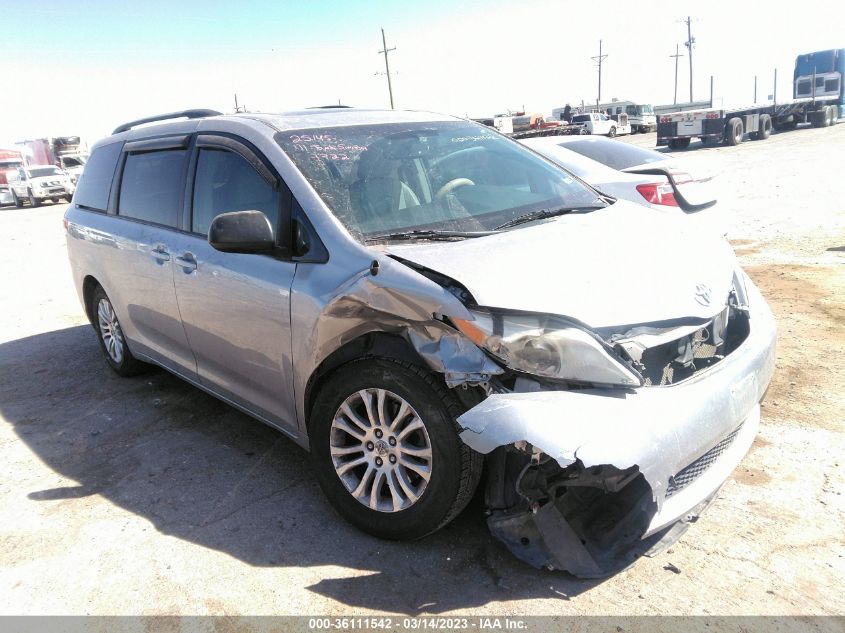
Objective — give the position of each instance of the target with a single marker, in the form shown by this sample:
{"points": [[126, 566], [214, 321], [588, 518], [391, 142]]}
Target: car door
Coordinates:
{"points": [[235, 306], [20, 185], [150, 192]]}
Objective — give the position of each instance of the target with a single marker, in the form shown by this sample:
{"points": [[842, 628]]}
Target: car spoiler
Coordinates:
{"points": [[683, 202]]}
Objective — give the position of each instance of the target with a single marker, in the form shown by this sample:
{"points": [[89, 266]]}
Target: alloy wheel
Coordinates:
{"points": [[381, 450], [110, 330]]}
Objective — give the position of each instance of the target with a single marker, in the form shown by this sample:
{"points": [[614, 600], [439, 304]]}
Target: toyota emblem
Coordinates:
{"points": [[702, 294]]}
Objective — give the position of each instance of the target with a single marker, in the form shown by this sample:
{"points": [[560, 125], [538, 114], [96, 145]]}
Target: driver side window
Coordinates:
{"points": [[226, 182]]}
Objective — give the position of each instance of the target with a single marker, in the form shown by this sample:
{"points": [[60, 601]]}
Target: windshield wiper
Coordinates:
{"points": [[542, 214], [427, 235]]}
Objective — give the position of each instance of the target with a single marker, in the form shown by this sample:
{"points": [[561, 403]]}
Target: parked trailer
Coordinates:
{"points": [[10, 161], [521, 125], [65, 152], [821, 107]]}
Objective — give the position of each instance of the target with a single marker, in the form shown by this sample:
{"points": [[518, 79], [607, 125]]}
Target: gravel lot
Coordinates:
{"points": [[146, 496]]}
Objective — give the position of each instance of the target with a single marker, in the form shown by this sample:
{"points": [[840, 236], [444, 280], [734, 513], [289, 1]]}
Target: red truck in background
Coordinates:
{"points": [[10, 160], [65, 152]]}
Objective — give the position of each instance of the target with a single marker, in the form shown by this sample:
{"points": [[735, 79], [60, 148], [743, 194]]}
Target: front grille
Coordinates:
{"points": [[689, 474]]}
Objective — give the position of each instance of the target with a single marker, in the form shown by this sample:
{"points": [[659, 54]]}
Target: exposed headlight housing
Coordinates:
{"points": [[739, 290], [547, 346]]}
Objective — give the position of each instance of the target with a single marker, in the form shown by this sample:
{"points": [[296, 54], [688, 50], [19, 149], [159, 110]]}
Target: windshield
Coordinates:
{"points": [[442, 176], [75, 161], [613, 153], [646, 109], [38, 172]]}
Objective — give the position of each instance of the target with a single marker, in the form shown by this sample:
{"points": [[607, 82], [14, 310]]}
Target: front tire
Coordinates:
{"points": [[110, 335], [612, 132], [386, 451], [33, 201]]}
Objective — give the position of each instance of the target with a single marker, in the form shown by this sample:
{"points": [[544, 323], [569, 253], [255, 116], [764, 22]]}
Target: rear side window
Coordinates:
{"points": [[94, 186], [613, 153], [226, 182], [151, 187]]}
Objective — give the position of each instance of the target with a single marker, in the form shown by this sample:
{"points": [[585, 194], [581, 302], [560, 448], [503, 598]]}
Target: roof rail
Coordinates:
{"points": [[184, 114]]}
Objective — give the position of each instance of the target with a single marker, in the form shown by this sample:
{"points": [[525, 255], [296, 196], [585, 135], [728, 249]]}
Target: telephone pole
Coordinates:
{"points": [[676, 56], [599, 59], [689, 44], [385, 51]]}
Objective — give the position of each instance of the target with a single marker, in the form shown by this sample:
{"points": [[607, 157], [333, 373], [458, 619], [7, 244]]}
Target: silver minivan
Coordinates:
{"points": [[417, 299]]}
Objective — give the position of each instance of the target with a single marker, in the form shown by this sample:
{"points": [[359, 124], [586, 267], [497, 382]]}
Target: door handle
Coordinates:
{"points": [[160, 254], [187, 261]]}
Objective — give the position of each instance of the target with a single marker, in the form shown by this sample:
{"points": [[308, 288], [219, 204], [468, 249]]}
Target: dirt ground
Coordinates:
{"points": [[146, 496]]}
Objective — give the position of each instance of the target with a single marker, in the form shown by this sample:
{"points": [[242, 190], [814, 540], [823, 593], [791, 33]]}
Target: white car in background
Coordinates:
{"points": [[601, 124], [633, 173], [38, 183]]}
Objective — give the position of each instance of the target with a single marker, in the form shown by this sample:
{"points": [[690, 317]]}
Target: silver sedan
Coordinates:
{"points": [[632, 173]]}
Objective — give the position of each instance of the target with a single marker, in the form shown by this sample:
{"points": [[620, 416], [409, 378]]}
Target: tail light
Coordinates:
{"points": [[658, 193]]}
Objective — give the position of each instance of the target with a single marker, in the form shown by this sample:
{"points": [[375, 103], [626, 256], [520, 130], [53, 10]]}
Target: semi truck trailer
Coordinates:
{"points": [[818, 98]]}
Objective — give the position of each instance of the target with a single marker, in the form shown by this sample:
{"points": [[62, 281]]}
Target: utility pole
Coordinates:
{"points": [[689, 44], [385, 51], [599, 59], [241, 108], [676, 56]]}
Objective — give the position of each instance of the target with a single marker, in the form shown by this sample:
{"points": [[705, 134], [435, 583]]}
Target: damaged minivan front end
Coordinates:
{"points": [[586, 478], [605, 442]]}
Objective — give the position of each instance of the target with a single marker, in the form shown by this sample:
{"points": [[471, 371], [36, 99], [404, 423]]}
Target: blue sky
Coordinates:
{"points": [[84, 67]]}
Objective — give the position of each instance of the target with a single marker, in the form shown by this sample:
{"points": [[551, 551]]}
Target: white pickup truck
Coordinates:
{"points": [[38, 183], [599, 123]]}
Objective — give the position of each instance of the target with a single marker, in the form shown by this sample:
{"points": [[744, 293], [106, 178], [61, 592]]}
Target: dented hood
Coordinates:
{"points": [[622, 265]]}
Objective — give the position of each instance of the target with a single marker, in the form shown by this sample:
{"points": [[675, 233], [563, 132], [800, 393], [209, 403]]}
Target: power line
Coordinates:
{"points": [[599, 59], [384, 52], [676, 56]]}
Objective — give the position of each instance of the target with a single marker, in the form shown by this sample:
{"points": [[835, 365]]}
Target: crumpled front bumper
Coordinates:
{"points": [[683, 439]]}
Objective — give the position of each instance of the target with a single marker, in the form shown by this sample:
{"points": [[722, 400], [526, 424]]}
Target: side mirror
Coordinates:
{"points": [[241, 232]]}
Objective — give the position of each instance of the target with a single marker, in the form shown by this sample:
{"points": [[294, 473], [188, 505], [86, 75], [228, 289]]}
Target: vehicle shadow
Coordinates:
{"points": [[207, 474]]}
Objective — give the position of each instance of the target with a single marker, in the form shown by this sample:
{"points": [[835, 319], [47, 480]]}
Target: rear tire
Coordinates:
{"points": [[820, 118], [734, 131], [110, 335], [679, 143], [15, 200], [764, 129], [387, 499]]}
